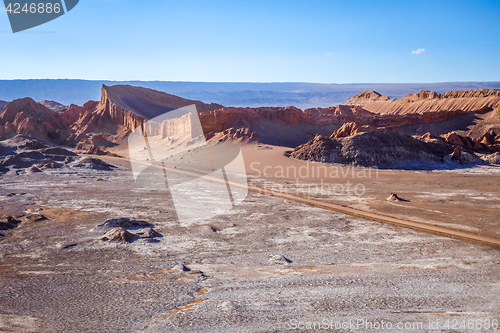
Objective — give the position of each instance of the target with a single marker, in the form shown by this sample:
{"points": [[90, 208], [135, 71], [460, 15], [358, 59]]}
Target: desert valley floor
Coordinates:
{"points": [[266, 266]]}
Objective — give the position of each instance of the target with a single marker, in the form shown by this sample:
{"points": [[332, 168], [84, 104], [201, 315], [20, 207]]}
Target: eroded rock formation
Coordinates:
{"points": [[380, 148], [95, 127], [427, 102]]}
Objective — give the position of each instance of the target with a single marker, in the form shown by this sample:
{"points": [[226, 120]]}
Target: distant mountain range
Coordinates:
{"points": [[301, 95]]}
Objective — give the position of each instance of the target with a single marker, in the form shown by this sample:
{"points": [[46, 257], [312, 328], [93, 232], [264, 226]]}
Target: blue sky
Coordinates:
{"points": [[323, 41]]}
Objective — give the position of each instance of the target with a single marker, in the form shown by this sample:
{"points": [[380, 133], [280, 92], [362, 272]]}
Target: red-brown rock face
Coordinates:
{"points": [[28, 108], [25, 116]]}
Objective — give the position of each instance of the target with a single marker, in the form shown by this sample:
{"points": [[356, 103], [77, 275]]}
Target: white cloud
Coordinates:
{"points": [[419, 51]]}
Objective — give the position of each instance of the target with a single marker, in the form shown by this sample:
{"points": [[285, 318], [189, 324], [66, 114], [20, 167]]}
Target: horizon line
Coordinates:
{"points": [[246, 82]]}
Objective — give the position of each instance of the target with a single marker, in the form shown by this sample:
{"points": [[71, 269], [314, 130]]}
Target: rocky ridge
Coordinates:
{"points": [[427, 102], [95, 127], [31, 155]]}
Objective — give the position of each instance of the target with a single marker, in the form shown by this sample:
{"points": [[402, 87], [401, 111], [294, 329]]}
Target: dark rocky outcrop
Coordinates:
{"points": [[22, 160], [57, 151], [148, 233], [9, 223], [34, 218], [49, 165], [118, 230], [32, 145], [93, 163], [377, 148], [123, 222]]}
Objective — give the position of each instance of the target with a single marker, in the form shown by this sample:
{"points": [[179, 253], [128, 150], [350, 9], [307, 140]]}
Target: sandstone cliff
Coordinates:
{"points": [[146, 103], [121, 109]]}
